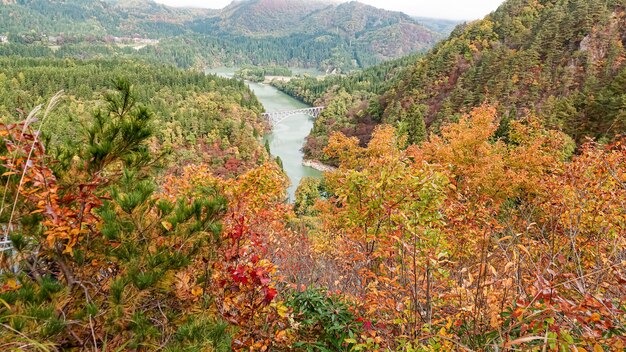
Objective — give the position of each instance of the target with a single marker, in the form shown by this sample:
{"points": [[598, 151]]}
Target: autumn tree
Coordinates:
{"points": [[467, 241]]}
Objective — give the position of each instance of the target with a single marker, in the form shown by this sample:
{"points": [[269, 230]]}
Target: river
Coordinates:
{"points": [[286, 138]]}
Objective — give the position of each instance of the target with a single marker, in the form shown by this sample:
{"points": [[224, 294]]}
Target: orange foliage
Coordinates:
{"points": [[243, 272], [462, 242], [67, 210], [490, 242]]}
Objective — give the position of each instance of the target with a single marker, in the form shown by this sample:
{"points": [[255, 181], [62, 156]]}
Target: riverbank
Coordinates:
{"points": [[269, 79], [318, 165]]}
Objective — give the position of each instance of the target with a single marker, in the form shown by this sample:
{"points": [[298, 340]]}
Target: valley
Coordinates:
{"points": [[286, 139], [462, 186]]}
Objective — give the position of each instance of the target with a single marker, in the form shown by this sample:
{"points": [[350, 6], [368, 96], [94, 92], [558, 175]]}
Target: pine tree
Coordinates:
{"points": [[279, 161], [125, 259], [267, 147], [416, 127]]}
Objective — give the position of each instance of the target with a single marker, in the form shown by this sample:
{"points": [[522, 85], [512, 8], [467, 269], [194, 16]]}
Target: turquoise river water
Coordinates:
{"points": [[287, 138]]}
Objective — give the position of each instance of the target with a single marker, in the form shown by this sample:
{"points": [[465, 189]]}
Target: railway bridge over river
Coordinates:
{"points": [[279, 116]]}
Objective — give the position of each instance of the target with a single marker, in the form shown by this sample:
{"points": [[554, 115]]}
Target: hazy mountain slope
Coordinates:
{"points": [[268, 17], [94, 17], [151, 10], [438, 25], [397, 40], [353, 19]]}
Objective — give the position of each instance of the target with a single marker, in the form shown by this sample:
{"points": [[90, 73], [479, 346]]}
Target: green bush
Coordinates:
{"points": [[325, 321]]}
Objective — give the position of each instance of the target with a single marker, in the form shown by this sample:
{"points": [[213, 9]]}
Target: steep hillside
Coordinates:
{"points": [[563, 60], [354, 19], [396, 41], [280, 17], [387, 34]]}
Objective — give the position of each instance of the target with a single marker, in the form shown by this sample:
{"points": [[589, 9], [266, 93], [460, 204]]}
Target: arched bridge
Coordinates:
{"points": [[279, 116]]}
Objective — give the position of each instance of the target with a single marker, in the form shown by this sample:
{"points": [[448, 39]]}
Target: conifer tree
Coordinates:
{"points": [[416, 128], [97, 234]]}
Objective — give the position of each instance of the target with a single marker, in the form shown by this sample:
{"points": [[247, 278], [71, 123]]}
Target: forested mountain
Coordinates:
{"points": [[261, 32], [94, 18], [562, 60], [366, 28], [267, 17], [352, 20], [438, 25]]}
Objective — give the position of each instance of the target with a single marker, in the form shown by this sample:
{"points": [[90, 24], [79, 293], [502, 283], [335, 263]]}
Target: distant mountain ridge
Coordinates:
{"points": [[438, 25], [95, 17], [267, 17], [349, 34], [390, 34], [301, 16]]}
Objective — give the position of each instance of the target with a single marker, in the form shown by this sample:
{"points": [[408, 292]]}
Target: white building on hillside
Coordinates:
{"points": [[4, 39]]}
